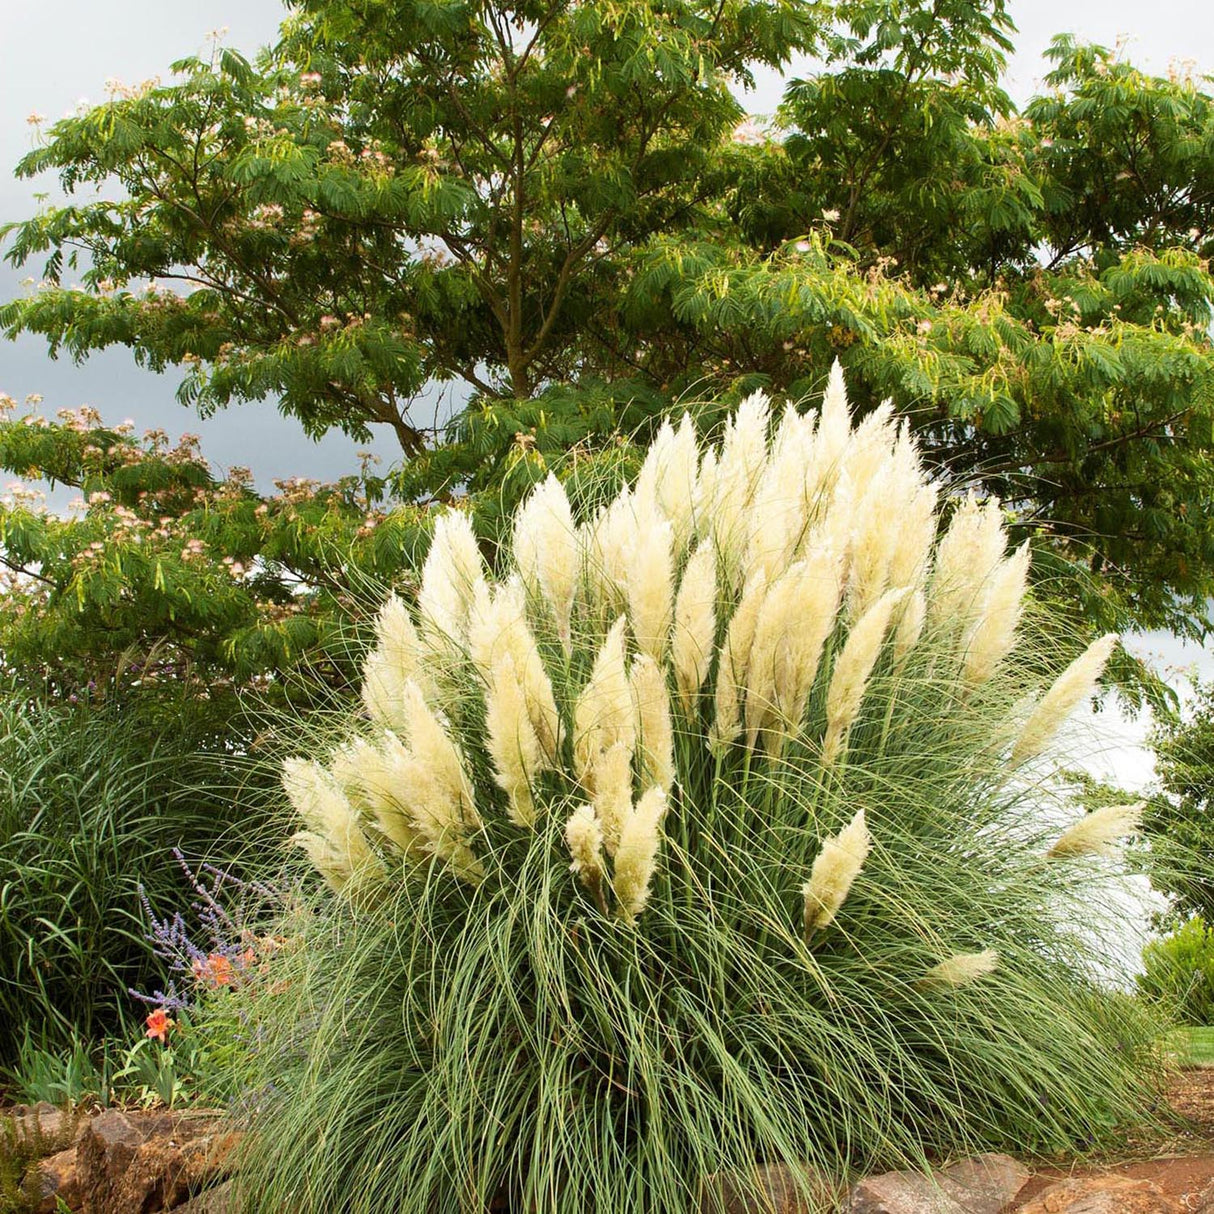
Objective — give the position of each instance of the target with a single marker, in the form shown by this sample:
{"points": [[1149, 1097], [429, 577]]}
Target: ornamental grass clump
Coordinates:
{"points": [[706, 829]]}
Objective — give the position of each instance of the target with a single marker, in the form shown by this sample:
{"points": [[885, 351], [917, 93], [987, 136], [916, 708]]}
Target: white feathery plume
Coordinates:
{"points": [[515, 750], [870, 448], [432, 746], [1096, 833], [1075, 684], [453, 567], [413, 806], [395, 658], [584, 838], [965, 559], [991, 637], [611, 779], [834, 430], [695, 624], [675, 485], [853, 667], [910, 625], [961, 968], [797, 615], [780, 511], [334, 838], [609, 548], [655, 736], [498, 628], [834, 870], [637, 853], [734, 663], [548, 551], [370, 777], [741, 463], [603, 713], [650, 586]]}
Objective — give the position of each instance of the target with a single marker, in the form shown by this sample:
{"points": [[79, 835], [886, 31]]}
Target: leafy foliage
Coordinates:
{"points": [[164, 573], [1179, 972], [94, 799], [1179, 817], [557, 202]]}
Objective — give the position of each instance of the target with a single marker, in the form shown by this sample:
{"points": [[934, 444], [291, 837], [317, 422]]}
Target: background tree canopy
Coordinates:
{"points": [[560, 204]]}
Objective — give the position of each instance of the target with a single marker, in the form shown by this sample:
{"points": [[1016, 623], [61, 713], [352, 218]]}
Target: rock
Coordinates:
{"points": [[41, 1120], [1102, 1195], [774, 1190], [218, 1200], [901, 1193], [131, 1163], [981, 1185], [59, 1185]]}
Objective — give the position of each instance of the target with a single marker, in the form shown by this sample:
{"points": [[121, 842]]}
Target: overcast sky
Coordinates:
{"points": [[56, 52]]}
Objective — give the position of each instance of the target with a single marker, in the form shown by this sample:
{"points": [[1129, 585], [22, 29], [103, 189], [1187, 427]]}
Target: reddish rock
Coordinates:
{"points": [[131, 1163], [59, 1185], [1103, 1195], [41, 1121], [981, 1185]]}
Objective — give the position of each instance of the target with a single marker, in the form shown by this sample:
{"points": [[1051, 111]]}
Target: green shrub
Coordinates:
{"points": [[824, 908], [93, 798], [1179, 972]]}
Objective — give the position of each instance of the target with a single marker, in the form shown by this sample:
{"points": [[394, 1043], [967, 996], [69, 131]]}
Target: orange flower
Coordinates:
{"points": [[158, 1023], [215, 971]]}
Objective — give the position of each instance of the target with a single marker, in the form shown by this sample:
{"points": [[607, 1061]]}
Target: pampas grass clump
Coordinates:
{"points": [[698, 832]]}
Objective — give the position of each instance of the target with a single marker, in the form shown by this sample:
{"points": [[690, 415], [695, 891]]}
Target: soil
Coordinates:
{"points": [[1180, 1162]]}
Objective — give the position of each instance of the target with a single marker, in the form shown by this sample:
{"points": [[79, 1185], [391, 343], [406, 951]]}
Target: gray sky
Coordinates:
{"points": [[56, 52]]}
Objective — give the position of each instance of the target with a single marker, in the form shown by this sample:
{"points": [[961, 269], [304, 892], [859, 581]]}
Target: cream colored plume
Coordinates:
{"points": [[961, 968], [853, 668], [834, 430], [395, 658], [695, 624], [513, 746], [992, 636], [431, 744], [650, 586], [834, 871], [734, 664], [1096, 833], [636, 856], [603, 713], [610, 545], [611, 781], [453, 568], [547, 550], [779, 515], [371, 777], [909, 628], [743, 458], [413, 803], [797, 615], [668, 479], [965, 560], [334, 838], [655, 737], [1074, 685], [497, 629], [584, 838]]}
